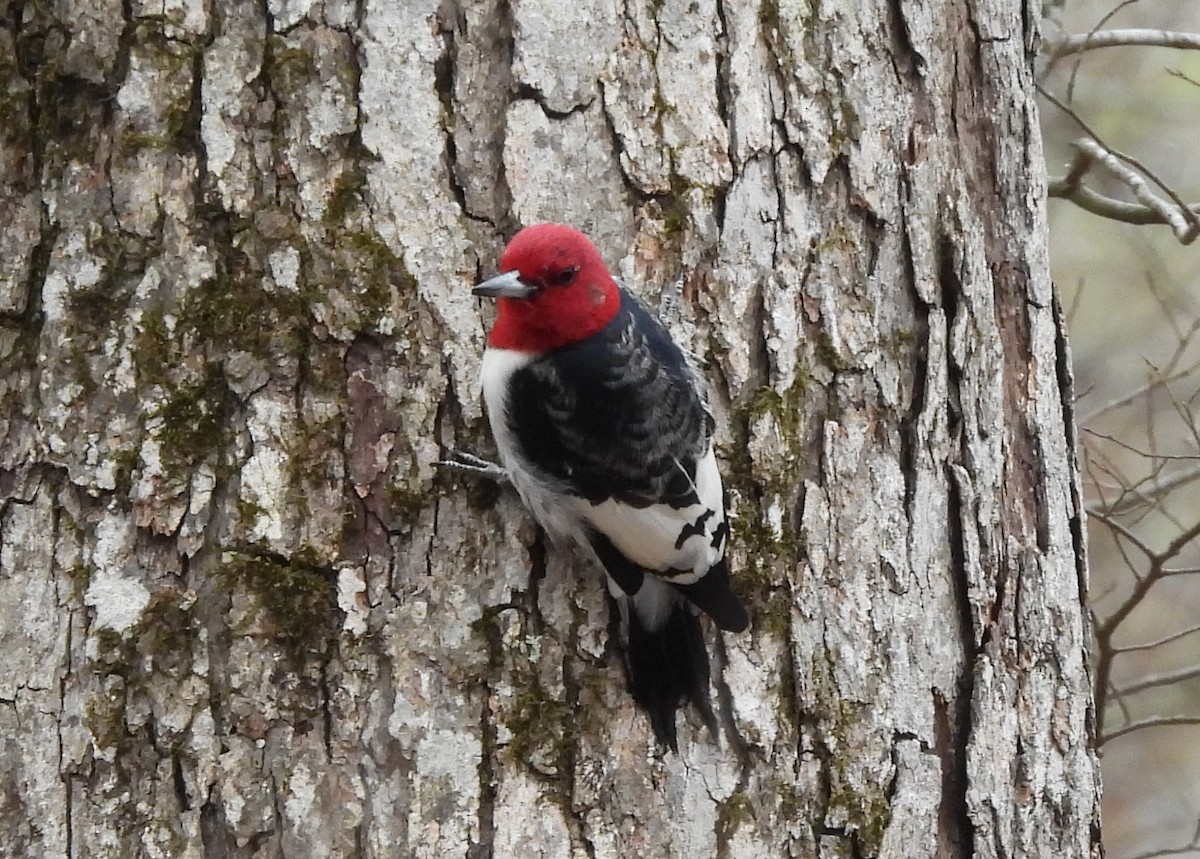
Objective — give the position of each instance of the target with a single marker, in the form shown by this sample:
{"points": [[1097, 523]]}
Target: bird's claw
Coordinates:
{"points": [[468, 463]]}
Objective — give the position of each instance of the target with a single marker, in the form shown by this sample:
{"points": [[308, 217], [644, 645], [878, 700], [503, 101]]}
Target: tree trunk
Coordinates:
{"points": [[244, 615]]}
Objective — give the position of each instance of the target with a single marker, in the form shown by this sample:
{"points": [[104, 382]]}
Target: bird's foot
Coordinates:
{"points": [[468, 463]]}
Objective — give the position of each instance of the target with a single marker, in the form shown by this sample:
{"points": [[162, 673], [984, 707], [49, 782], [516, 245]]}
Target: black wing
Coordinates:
{"points": [[617, 416]]}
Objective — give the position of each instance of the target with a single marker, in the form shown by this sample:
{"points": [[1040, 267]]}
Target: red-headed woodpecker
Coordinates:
{"points": [[603, 429]]}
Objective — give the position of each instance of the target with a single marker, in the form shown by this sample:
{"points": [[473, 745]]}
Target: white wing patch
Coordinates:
{"points": [[678, 542]]}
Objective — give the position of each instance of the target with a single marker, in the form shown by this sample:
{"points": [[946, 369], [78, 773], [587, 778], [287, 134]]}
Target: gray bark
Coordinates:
{"points": [[242, 612]]}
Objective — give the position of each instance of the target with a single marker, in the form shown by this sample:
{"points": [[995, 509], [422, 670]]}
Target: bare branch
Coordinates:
{"points": [[1168, 572], [1105, 629], [1157, 489], [1119, 702], [1107, 207], [1151, 489], [1179, 543], [1167, 851], [1183, 220], [1151, 645], [1121, 38], [1153, 722], [1153, 681]]}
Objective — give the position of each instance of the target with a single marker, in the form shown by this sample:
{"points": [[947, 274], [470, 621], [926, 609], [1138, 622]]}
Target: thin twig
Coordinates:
{"points": [[1176, 73], [1076, 300], [1166, 457], [1108, 16], [1122, 402], [1119, 701], [1117, 527]]}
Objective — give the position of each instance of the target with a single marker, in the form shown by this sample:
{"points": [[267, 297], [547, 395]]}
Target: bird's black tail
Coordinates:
{"points": [[668, 667], [711, 594], [665, 654]]}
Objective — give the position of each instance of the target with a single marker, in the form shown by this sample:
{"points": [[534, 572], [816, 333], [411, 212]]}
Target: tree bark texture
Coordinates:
{"points": [[242, 612]]}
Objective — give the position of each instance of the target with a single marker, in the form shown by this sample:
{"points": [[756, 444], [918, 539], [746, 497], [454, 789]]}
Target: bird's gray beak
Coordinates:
{"points": [[507, 285]]}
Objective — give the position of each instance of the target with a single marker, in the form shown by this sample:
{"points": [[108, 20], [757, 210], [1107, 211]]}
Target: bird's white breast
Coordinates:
{"points": [[544, 498], [496, 373]]}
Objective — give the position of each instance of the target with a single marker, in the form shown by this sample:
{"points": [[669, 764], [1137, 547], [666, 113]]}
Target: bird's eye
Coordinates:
{"points": [[566, 277]]}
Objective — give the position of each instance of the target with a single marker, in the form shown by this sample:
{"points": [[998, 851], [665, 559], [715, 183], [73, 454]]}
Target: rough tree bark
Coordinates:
{"points": [[241, 612]]}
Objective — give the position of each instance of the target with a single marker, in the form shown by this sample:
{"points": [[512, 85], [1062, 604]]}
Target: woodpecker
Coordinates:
{"points": [[603, 428]]}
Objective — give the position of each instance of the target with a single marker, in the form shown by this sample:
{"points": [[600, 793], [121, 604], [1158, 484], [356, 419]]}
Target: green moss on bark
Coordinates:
{"points": [[196, 420], [298, 595]]}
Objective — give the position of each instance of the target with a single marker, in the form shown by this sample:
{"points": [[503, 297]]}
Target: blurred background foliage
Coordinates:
{"points": [[1132, 294]]}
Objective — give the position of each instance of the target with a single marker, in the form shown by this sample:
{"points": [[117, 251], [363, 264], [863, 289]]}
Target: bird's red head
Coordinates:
{"points": [[553, 290]]}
